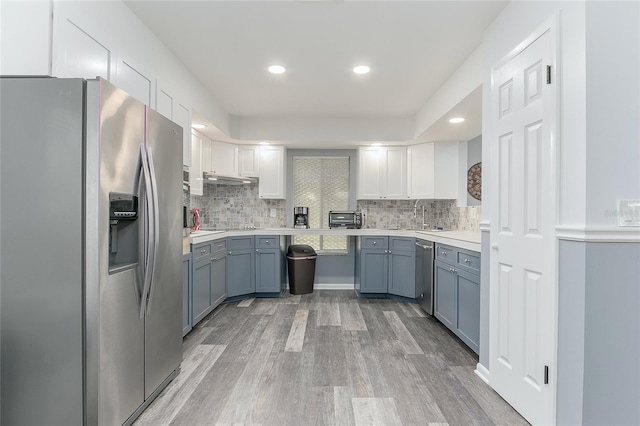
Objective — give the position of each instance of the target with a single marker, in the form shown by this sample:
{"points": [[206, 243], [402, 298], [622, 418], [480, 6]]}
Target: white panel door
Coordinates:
{"points": [[523, 276], [134, 83]]}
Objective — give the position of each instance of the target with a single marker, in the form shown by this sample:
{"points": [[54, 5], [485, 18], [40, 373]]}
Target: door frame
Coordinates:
{"points": [[551, 26]]}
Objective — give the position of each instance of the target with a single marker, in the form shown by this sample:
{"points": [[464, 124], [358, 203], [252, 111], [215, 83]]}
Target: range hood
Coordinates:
{"points": [[218, 179]]}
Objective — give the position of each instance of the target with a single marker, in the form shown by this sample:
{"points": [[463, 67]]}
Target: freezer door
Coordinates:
{"points": [[121, 346], [41, 265], [163, 332]]}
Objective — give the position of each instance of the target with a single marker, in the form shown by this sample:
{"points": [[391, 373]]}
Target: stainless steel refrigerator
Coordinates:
{"points": [[90, 252]]}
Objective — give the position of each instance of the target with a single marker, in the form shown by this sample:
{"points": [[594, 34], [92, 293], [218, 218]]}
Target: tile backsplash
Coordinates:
{"points": [[237, 206], [234, 207], [398, 214]]}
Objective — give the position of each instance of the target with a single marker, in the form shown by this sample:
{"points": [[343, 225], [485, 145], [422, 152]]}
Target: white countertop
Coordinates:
{"points": [[469, 240]]}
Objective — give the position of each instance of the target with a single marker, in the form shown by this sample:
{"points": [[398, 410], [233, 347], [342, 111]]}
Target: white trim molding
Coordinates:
{"points": [[482, 372], [598, 234], [485, 226]]}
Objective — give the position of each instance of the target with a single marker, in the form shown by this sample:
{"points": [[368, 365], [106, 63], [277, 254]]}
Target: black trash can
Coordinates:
{"points": [[301, 262]]}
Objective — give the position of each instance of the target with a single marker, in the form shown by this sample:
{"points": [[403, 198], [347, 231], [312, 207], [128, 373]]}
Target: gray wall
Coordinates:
{"points": [[612, 334], [598, 333]]}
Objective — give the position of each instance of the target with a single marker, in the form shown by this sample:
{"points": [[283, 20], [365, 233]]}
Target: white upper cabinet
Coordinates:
{"points": [[205, 155], [271, 184], [134, 82], [382, 173], [249, 160], [164, 102], [433, 170], [224, 158], [420, 169], [195, 175], [81, 49], [182, 117]]}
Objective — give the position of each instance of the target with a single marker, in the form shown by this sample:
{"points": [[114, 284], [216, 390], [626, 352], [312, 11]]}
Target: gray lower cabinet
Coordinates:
{"points": [[208, 278], [374, 270], [386, 265], [240, 266], [457, 292], [186, 292], [268, 264]]}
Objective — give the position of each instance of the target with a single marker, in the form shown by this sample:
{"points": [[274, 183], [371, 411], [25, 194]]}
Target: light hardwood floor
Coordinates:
{"points": [[326, 358]]}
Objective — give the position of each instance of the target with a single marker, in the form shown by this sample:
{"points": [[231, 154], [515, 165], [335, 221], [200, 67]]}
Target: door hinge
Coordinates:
{"points": [[546, 374], [548, 74]]}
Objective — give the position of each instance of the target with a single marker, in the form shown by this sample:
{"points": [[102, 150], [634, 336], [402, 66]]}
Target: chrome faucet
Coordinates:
{"points": [[415, 214], [415, 209]]}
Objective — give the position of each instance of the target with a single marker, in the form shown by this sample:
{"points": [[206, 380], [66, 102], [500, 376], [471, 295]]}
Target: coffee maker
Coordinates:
{"points": [[301, 217]]}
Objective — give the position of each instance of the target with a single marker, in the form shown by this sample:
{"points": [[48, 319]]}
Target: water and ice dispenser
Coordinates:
{"points": [[124, 231]]}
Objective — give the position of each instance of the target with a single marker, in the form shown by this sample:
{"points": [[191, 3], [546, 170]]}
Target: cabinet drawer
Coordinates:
{"points": [[240, 243], [406, 244], [201, 250], [219, 245], [447, 254], [469, 260], [375, 242], [266, 242]]}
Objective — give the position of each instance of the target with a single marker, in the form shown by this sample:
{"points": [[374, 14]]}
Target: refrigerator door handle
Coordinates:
{"points": [[156, 229], [149, 219]]}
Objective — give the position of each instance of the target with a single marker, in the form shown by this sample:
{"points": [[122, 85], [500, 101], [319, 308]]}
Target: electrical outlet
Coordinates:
{"points": [[272, 213]]}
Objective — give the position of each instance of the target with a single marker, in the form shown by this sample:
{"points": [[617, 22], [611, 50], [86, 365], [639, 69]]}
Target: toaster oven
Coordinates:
{"points": [[345, 219]]}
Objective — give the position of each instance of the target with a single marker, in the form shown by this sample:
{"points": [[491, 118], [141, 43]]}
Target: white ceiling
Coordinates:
{"points": [[412, 48]]}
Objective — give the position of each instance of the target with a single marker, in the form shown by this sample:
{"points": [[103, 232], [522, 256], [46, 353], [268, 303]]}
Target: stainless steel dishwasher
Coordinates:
{"points": [[424, 274]]}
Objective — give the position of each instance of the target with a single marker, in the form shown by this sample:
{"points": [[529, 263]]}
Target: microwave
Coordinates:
{"points": [[344, 219]]}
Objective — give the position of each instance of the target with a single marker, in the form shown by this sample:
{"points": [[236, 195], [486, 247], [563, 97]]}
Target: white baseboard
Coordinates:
{"points": [[482, 372]]}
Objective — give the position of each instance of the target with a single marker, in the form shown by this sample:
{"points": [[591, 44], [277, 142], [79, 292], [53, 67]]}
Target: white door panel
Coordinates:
{"points": [[522, 318]]}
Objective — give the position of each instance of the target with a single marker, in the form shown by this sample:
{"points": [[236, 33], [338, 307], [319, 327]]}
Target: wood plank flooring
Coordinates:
{"points": [[326, 358]]}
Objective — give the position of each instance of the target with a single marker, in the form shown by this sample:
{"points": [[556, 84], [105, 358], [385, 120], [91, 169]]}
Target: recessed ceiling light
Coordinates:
{"points": [[212, 178], [276, 69], [361, 69], [376, 144], [456, 120], [198, 126], [264, 143]]}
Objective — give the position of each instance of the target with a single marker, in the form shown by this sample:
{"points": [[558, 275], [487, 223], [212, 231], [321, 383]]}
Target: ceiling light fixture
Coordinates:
{"points": [[276, 69], [198, 126], [264, 143], [456, 120], [361, 69], [376, 144]]}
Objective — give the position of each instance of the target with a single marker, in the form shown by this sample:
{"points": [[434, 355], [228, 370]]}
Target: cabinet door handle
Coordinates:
{"points": [[444, 253], [467, 261], [212, 259], [267, 242], [203, 251], [375, 242], [389, 251], [257, 251], [229, 253]]}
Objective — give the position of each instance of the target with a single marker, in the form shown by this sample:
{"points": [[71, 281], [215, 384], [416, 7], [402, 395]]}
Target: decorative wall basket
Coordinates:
{"points": [[474, 181]]}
